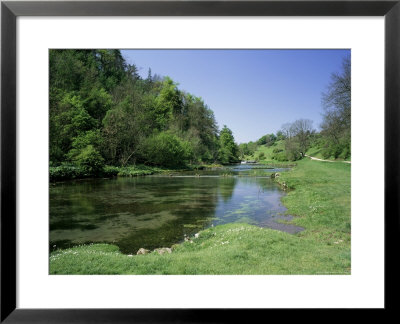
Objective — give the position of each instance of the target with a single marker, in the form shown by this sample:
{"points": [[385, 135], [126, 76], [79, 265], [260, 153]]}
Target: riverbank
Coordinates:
{"points": [[320, 200], [73, 172]]}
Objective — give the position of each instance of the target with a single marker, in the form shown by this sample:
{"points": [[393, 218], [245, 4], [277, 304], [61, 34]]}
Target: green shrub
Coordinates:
{"points": [[293, 155], [280, 156], [345, 154], [110, 171], [90, 160], [65, 171], [167, 149]]}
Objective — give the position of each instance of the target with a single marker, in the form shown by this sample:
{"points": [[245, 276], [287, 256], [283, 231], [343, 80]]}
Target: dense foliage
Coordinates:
{"points": [[103, 113], [228, 149]]}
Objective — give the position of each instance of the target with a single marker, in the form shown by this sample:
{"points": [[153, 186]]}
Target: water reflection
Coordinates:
{"points": [[156, 211]]}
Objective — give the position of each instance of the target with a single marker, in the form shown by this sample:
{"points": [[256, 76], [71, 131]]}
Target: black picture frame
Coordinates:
{"points": [[10, 10]]}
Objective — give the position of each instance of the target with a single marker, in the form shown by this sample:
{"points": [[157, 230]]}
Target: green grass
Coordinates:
{"points": [[267, 150], [316, 151], [267, 153], [321, 200]]}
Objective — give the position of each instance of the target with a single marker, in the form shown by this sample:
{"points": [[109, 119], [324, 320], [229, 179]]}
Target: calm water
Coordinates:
{"points": [[158, 211]]}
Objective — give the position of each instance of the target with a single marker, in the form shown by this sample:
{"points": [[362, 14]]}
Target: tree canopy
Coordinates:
{"points": [[103, 112]]}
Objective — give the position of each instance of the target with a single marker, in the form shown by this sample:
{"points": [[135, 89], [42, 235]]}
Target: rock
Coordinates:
{"points": [[163, 250], [196, 235], [142, 251]]}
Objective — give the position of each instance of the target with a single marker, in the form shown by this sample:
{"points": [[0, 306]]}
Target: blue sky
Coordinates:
{"points": [[253, 92]]}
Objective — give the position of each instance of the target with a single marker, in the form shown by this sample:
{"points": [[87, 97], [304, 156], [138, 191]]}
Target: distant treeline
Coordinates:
{"points": [[334, 139], [103, 113]]}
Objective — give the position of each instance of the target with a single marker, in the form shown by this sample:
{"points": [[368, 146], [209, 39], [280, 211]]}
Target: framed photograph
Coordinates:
{"points": [[193, 160]]}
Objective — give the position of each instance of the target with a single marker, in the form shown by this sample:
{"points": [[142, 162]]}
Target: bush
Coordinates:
{"points": [[292, 149], [280, 156], [110, 171], [293, 155], [90, 160], [65, 171], [261, 156], [345, 154], [334, 150], [167, 149]]}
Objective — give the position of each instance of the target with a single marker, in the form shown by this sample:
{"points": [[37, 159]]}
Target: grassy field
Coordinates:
{"points": [[264, 155], [316, 151], [318, 194]]}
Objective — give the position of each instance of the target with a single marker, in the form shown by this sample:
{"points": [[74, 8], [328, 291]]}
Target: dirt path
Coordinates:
{"points": [[317, 159]]}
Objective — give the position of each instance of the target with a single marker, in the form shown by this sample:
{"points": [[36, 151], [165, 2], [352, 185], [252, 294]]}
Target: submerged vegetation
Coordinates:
{"points": [[107, 121], [320, 201]]}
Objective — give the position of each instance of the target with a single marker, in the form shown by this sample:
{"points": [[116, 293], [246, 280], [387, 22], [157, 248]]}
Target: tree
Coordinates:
{"points": [[125, 128], [262, 140], [336, 125], [287, 130], [102, 111], [280, 136], [302, 130], [292, 150], [168, 103], [68, 119], [228, 148], [243, 150], [270, 139], [297, 138]]}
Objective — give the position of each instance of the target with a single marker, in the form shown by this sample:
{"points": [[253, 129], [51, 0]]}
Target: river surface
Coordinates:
{"points": [[159, 211]]}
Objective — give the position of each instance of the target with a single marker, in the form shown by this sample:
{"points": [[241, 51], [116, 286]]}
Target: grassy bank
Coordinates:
{"points": [[320, 199], [264, 154], [70, 172], [317, 151], [267, 155]]}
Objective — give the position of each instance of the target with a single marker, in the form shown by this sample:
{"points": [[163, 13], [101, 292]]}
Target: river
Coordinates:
{"points": [[160, 210]]}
